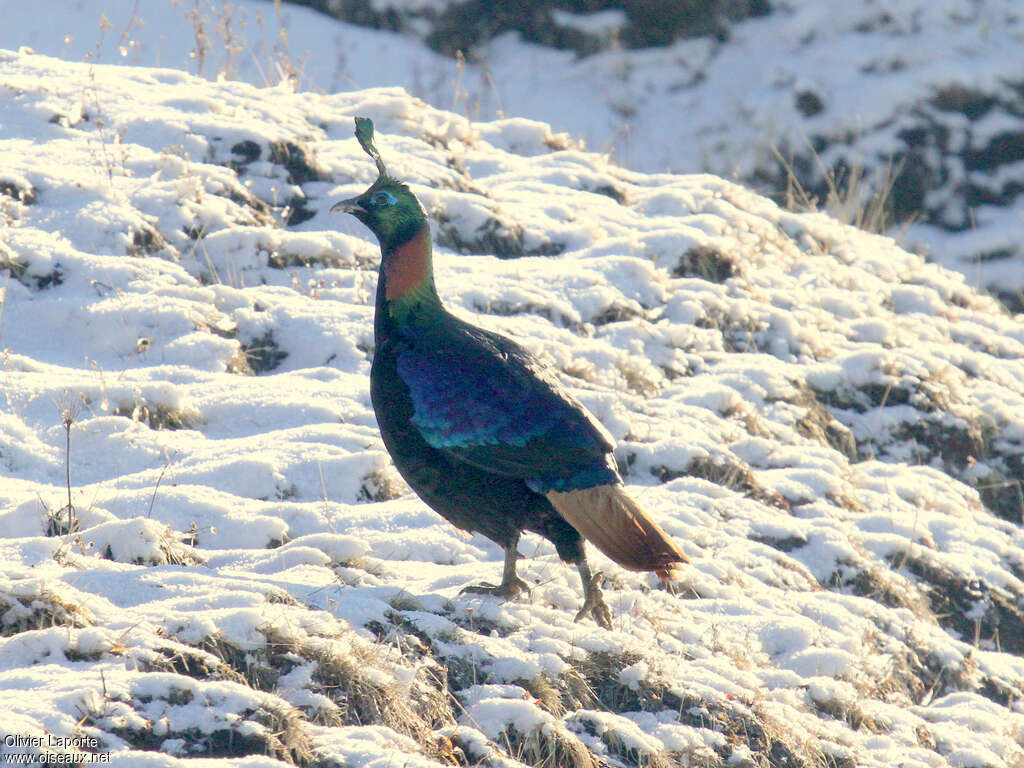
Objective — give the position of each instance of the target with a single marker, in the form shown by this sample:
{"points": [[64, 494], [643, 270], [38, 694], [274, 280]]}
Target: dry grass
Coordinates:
{"points": [[357, 677], [819, 424], [733, 475], [263, 354], [706, 263], [502, 238], [977, 610], [382, 485], [620, 748], [848, 198], [273, 728], [197, 663], [170, 550], [549, 745], [159, 416], [23, 610]]}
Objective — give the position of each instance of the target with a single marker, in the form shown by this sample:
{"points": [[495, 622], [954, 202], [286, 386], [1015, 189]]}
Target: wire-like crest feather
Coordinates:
{"points": [[364, 133]]}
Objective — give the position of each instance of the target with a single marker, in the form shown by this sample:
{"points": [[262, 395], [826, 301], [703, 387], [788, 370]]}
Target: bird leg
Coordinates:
{"points": [[511, 585], [593, 601]]}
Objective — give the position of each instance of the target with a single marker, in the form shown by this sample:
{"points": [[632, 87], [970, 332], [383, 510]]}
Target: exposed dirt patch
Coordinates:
{"points": [[705, 263], [975, 610], [39, 609], [145, 242], [22, 193], [298, 161], [496, 237], [159, 416], [263, 354], [732, 475]]}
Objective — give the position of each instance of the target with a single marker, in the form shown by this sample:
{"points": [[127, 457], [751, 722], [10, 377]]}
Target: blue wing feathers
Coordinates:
{"points": [[461, 402], [487, 401]]}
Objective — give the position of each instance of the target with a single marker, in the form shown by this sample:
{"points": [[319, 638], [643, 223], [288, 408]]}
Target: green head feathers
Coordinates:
{"points": [[364, 134], [388, 208]]}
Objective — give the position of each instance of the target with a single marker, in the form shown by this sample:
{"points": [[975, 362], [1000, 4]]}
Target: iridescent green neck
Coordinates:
{"points": [[419, 302]]}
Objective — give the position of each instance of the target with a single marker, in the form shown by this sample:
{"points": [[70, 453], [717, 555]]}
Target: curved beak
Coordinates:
{"points": [[348, 206]]}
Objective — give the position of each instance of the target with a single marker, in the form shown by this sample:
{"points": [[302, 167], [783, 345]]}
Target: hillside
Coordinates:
{"points": [[912, 112], [206, 552]]}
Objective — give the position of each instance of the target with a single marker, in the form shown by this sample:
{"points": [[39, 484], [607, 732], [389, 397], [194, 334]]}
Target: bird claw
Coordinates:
{"points": [[594, 604], [506, 590]]}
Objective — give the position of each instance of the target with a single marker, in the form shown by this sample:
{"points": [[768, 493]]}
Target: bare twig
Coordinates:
{"points": [[152, 500]]}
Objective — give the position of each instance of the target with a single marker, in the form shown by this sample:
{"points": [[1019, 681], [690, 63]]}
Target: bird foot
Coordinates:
{"points": [[594, 604], [507, 590]]}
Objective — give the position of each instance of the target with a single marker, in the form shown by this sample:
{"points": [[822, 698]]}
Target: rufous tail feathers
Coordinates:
{"points": [[612, 521]]}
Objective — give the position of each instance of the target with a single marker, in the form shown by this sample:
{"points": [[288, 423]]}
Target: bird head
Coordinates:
{"points": [[388, 208]]}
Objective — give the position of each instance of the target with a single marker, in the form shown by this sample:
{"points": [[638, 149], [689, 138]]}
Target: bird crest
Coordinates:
{"points": [[364, 134]]}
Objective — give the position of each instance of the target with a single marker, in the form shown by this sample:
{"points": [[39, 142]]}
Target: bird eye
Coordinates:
{"points": [[383, 198]]}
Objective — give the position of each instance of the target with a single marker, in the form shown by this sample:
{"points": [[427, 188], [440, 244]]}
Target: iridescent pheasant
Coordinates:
{"points": [[482, 430]]}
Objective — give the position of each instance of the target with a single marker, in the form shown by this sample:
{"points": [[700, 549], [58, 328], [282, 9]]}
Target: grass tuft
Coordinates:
{"points": [[23, 610], [263, 354]]}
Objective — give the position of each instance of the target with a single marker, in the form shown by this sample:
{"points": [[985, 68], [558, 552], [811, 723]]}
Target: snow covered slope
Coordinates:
{"points": [[832, 428], [920, 102]]}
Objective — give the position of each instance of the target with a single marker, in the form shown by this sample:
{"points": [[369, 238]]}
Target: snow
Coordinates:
{"points": [[599, 22], [697, 105], [825, 422]]}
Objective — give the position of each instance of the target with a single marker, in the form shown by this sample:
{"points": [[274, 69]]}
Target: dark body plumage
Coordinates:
{"points": [[475, 486], [482, 430]]}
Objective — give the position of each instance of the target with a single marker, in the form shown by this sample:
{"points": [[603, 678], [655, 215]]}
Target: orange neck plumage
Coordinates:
{"points": [[407, 269]]}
